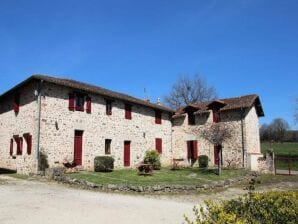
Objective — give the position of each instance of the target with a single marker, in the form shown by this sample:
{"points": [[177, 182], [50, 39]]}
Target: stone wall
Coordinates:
{"points": [[58, 125], [18, 124]]}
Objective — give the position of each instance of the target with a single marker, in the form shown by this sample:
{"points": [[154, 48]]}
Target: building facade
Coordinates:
{"points": [[65, 120]]}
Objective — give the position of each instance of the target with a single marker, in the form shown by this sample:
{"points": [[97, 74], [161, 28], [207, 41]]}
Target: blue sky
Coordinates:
{"points": [[240, 47]]}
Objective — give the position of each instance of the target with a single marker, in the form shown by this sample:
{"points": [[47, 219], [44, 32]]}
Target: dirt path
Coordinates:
{"points": [[30, 202]]}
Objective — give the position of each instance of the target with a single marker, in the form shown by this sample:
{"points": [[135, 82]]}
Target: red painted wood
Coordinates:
{"points": [[29, 144], [216, 116], [126, 157], [71, 102], [88, 105], [216, 157], [128, 111], [195, 149], [157, 117], [16, 104], [158, 145], [78, 147], [11, 147]]}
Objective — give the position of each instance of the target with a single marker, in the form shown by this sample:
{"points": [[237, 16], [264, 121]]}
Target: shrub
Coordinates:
{"points": [[203, 161], [145, 168], [103, 164], [43, 161], [153, 157], [269, 207]]}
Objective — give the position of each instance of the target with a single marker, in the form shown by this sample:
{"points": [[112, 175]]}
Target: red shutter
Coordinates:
{"points": [[216, 116], [88, 105], [216, 158], [71, 102], [158, 145], [157, 117], [195, 149], [11, 147], [127, 111], [16, 104], [29, 144], [126, 153]]}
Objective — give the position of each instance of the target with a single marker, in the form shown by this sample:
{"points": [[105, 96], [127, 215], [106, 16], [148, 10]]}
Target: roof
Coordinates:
{"points": [[235, 103], [89, 88]]}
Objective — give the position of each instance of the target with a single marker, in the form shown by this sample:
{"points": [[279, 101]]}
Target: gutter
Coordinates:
{"points": [[39, 88], [242, 136]]}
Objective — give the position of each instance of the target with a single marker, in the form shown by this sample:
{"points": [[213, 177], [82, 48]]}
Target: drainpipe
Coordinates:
{"points": [[242, 136], [38, 123]]}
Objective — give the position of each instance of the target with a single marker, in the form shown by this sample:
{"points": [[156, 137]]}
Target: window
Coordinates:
{"points": [[128, 111], [77, 102], [108, 146], [16, 103], [19, 141], [216, 116], [108, 107], [28, 139], [158, 117], [80, 101], [158, 145], [11, 147], [191, 118]]}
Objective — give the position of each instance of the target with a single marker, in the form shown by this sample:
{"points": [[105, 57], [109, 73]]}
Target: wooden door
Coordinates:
{"points": [[78, 147], [126, 157], [192, 150]]}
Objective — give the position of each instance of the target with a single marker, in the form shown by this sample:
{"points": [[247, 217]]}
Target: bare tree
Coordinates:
{"points": [[189, 90], [279, 128], [217, 134]]}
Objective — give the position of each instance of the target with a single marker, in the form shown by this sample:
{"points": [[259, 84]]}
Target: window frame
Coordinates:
{"points": [[108, 143], [128, 111], [158, 117]]}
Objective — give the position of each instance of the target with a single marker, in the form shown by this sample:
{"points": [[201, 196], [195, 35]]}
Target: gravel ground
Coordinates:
{"points": [[37, 202], [30, 202]]}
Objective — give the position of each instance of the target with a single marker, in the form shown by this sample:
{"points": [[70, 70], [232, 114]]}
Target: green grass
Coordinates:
{"points": [[271, 179], [165, 176], [18, 176], [283, 149]]}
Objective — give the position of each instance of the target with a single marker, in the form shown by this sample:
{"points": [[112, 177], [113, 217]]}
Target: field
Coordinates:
{"points": [[286, 149]]}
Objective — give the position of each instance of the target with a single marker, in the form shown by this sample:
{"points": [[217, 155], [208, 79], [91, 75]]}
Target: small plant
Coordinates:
{"points": [[145, 169], [203, 161], [43, 161], [152, 157], [103, 164]]}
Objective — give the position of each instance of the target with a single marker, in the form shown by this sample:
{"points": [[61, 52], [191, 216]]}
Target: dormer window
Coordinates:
{"points": [[77, 102], [16, 103], [216, 116], [108, 107], [80, 101], [158, 116]]}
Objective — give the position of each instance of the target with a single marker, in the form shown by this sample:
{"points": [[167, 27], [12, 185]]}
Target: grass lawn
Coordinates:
{"points": [[283, 149], [271, 179], [165, 176]]}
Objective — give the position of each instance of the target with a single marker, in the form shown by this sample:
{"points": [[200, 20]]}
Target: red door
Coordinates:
{"points": [[216, 158], [126, 153], [192, 150], [78, 146]]}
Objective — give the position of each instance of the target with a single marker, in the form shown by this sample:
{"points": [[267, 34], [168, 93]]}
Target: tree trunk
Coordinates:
{"points": [[219, 161]]}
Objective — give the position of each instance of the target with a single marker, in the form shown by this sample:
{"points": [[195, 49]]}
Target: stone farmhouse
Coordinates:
{"points": [[68, 120]]}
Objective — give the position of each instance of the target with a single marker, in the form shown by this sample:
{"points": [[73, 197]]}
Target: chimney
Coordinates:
{"points": [[158, 101]]}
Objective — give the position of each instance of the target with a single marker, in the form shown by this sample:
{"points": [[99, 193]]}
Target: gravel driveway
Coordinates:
{"points": [[30, 202]]}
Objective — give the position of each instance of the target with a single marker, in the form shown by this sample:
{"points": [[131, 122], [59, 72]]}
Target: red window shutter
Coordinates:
{"points": [[11, 147], [88, 105], [126, 153], [127, 111], [16, 104], [158, 145], [157, 117], [216, 116], [195, 149], [29, 144], [71, 102], [216, 157]]}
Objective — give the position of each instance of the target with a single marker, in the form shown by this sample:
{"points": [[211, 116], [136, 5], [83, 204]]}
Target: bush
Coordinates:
{"points": [[153, 157], [103, 164], [269, 207], [145, 168], [203, 161]]}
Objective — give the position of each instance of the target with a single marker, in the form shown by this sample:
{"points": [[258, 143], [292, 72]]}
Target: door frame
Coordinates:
{"points": [[78, 134]]}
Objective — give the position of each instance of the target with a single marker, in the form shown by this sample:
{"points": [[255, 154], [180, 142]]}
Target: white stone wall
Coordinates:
{"points": [[141, 130], [252, 137], [12, 124]]}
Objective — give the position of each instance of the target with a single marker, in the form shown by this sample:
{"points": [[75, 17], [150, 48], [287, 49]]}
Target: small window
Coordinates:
{"points": [[16, 103], [128, 111], [158, 117], [19, 141], [216, 116], [191, 118], [108, 107], [108, 146], [88, 104], [80, 101], [158, 145]]}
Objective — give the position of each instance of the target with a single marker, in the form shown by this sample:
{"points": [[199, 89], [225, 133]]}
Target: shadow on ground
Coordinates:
{"points": [[6, 171]]}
